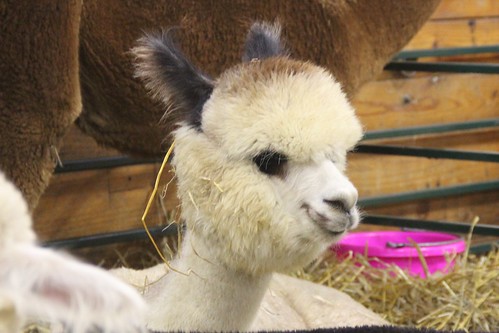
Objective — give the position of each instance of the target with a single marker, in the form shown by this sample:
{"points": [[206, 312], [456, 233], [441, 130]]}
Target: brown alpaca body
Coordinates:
{"points": [[59, 55]]}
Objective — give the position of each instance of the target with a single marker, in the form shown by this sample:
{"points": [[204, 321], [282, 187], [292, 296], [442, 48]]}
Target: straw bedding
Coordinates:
{"points": [[467, 298]]}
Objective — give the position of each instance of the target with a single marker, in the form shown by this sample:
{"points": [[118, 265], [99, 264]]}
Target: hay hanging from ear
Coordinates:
{"points": [[148, 207]]}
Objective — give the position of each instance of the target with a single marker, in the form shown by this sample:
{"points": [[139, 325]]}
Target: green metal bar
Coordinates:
{"points": [[446, 52], [112, 237], [428, 152], [483, 248], [428, 194], [449, 67], [429, 129], [102, 163], [464, 228]]}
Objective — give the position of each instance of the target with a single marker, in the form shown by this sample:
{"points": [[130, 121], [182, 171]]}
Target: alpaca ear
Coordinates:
{"points": [[263, 41], [45, 284], [171, 77]]}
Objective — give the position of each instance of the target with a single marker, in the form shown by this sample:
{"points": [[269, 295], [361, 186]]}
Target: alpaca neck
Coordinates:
{"points": [[212, 297]]}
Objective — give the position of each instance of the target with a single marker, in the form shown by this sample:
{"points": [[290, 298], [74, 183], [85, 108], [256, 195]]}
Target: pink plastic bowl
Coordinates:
{"points": [[394, 247]]}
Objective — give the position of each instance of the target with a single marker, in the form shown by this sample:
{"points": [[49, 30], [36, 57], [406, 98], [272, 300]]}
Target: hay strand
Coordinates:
{"points": [[148, 207]]}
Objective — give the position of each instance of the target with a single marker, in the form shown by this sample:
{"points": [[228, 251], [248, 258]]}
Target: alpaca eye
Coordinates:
{"points": [[270, 162]]}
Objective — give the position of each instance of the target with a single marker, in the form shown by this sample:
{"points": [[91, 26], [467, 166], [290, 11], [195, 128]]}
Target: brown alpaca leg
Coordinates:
{"points": [[39, 88]]}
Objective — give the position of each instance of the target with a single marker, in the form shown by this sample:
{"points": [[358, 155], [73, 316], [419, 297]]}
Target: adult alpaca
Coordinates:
{"points": [[260, 166], [79, 68]]}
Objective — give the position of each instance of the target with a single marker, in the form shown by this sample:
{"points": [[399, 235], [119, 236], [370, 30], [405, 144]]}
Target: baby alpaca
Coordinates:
{"points": [[41, 284], [259, 162]]}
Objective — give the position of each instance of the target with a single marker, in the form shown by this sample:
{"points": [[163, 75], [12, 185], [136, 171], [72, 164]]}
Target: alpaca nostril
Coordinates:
{"points": [[338, 204]]}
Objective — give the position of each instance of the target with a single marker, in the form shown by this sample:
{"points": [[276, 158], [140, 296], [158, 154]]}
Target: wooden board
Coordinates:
{"points": [[434, 99], [457, 208], [375, 175], [456, 33], [91, 202], [466, 9]]}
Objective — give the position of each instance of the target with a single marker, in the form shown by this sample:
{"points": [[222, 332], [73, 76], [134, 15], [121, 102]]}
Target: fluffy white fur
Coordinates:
{"points": [[41, 284], [288, 304], [243, 224], [292, 107]]}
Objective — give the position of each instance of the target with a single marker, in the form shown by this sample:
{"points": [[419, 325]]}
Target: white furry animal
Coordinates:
{"points": [[288, 304], [260, 177], [41, 284]]}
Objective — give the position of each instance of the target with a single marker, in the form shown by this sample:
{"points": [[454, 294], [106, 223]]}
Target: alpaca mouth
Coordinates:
{"points": [[324, 223]]}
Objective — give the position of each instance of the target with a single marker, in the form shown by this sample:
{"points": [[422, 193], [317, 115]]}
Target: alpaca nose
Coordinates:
{"points": [[340, 205], [345, 205], [343, 201]]}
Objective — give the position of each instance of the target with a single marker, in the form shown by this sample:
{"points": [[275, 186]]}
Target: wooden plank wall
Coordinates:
{"points": [[414, 99], [90, 202]]}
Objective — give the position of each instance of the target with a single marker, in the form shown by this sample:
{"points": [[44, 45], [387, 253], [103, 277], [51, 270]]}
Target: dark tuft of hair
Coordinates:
{"points": [[263, 41], [171, 77]]}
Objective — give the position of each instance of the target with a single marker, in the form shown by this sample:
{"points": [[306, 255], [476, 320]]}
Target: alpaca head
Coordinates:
{"points": [[261, 156]]}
